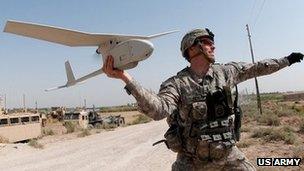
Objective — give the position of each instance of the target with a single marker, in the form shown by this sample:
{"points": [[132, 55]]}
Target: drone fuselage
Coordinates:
{"points": [[128, 53]]}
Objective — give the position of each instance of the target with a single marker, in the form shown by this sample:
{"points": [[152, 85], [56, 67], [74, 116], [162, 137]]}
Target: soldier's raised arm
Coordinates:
{"points": [[239, 72], [156, 106]]}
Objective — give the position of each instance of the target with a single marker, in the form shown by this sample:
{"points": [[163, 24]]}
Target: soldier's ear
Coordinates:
{"points": [[191, 49]]}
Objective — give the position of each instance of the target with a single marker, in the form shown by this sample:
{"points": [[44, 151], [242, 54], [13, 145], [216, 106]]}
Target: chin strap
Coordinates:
{"points": [[202, 52]]}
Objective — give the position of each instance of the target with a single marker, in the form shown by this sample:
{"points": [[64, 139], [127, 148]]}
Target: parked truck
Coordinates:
{"points": [[91, 119]]}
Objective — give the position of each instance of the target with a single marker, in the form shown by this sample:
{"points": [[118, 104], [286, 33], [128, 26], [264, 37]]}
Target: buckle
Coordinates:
{"points": [[205, 137], [217, 137], [225, 123], [214, 124], [227, 135]]}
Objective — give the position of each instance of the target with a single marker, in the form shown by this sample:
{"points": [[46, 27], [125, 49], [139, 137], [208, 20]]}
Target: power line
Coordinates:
{"points": [[260, 11], [251, 11]]}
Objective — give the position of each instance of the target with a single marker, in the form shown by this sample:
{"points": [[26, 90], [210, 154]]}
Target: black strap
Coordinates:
{"points": [[160, 141], [235, 103]]}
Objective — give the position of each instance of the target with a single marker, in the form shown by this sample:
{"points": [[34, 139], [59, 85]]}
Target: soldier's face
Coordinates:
{"points": [[208, 47]]}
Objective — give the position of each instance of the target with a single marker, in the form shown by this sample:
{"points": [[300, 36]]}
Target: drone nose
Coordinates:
{"points": [[97, 51], [149, 48]]}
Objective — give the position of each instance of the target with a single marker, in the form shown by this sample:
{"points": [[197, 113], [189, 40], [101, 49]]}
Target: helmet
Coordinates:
{"points": [[189, 39]]}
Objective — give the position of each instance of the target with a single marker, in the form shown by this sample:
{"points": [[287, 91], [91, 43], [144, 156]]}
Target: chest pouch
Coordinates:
{"points": [[199, 110], [219, 103]]}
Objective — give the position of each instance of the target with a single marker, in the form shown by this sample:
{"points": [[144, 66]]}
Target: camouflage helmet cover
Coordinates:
{"points": [[189, 39]]}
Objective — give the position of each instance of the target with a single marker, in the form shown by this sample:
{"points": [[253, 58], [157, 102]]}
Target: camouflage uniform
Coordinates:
{"points": [[183, 93]]}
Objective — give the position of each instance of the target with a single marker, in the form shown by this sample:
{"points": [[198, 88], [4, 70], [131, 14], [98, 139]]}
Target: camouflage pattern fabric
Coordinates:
{"points": [[235, 160], [178, 94], [190, 37]]}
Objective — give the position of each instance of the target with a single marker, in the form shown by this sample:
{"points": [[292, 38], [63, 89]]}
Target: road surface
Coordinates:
{"points": [[128, 148]]}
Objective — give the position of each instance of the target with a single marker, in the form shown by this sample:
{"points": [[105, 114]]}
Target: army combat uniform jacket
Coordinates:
{"points": [[183, 95]]}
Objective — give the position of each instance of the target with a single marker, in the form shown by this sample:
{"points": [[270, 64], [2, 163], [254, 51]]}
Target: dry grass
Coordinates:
{"points": [[34, 143], [245, 129], [108, 127], [141, 118], [3, 140], [244, 144], [69, 126], [47, 131], [285, 134], [98, 126], [269, 119], [301, 127], [84, 133], [298, 151]]}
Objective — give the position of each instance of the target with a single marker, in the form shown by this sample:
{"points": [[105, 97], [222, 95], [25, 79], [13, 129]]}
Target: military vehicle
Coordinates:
{"points": [[117, 120], [91, 119], [20, 126], [57, 112]]}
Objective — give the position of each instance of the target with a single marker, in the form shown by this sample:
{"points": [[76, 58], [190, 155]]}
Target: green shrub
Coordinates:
{"points": [[244, 144], [301, 127], [84, 133], [108, 126], [69, 126], [245, 129], [285, 112], [289, 138], [270, 134], [98, 126], [271, 96], [48, 131], [269, 119], [34, 143], [118, 108], [250, 110]]}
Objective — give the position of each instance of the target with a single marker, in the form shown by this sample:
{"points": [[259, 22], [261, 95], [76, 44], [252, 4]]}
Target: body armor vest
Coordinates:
{"points": [[217, 125]]}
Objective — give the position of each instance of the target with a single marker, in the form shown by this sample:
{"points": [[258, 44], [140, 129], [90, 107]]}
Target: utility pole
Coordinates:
{"points": [[23, 99], [255, 78], [4, 102], [36, 106], [85, 103]]}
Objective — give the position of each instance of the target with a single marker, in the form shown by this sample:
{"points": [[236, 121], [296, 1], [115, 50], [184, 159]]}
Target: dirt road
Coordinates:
{"points": [[128, 148]]}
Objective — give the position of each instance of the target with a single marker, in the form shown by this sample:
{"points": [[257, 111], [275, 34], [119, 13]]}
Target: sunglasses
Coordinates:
{"points": [[205, 41]]}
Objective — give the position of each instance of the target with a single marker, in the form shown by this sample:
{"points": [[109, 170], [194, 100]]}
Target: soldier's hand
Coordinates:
{"points": [[111, 72], [294, 57]]}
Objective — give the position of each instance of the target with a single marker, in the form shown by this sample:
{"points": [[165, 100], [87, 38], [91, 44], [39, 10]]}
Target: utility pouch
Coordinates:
{"points": [[238, 117], [172, 139], [199, 111], [237, 123], [219, 104]]}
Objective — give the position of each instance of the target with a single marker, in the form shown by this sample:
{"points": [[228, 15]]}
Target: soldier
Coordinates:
{"points": [[198, 105]]}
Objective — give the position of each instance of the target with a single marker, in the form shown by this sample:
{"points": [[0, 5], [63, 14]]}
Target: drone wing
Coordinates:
{"points": [[66, 36]]}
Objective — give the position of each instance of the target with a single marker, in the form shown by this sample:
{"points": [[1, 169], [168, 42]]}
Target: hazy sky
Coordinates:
{"points": [[29, 66]]}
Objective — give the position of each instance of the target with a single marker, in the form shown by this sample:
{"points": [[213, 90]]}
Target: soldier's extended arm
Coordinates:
{"points": [[239, 72], [156, 106]]}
